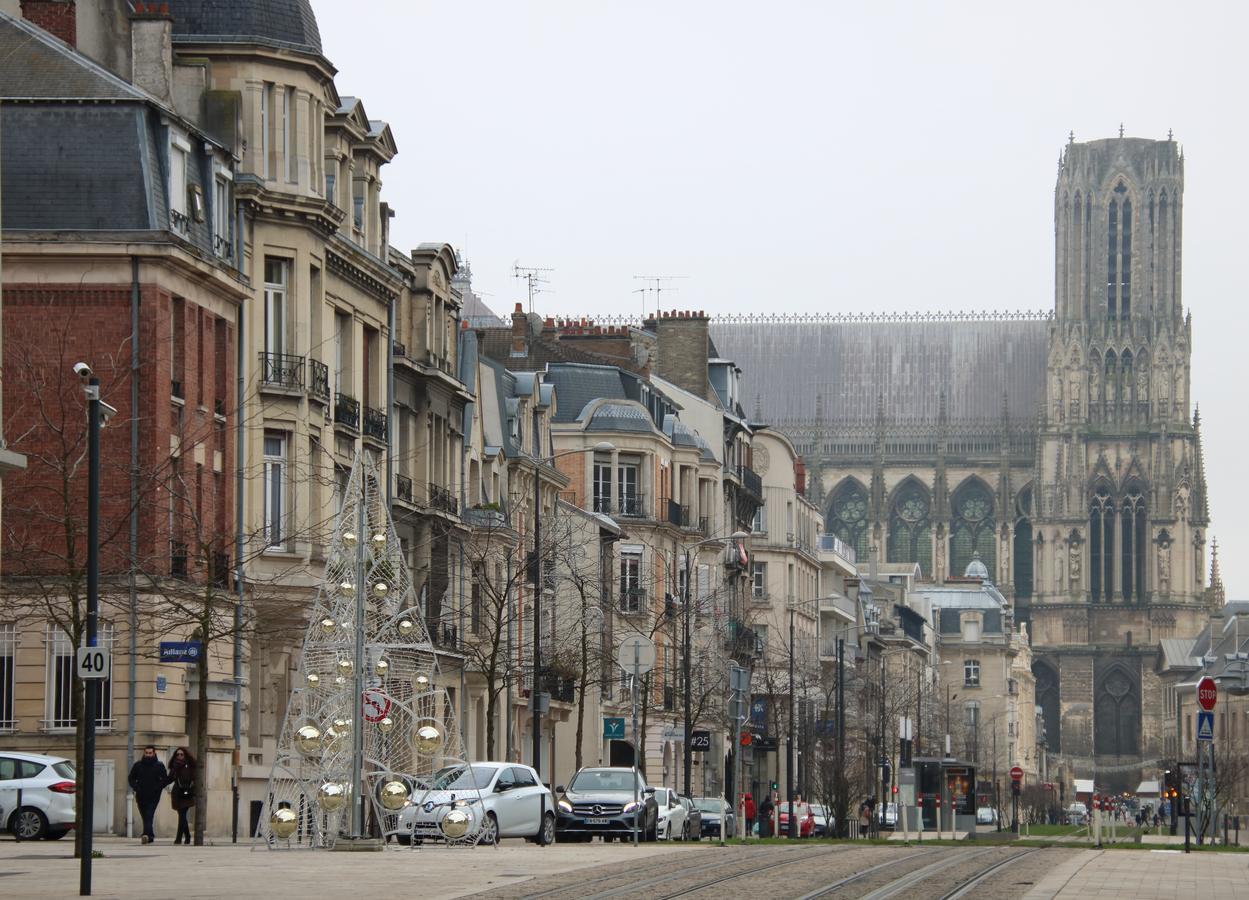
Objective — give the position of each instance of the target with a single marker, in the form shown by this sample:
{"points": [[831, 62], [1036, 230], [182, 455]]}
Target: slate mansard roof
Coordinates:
{"points": [[905, 361], [278, 23]]}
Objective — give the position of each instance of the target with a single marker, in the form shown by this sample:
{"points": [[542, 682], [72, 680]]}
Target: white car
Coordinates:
{"points": [[47, 784], [673, 818], [502, 800]]}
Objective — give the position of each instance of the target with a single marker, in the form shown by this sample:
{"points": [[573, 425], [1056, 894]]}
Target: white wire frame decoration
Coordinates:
{"points": [[409, 730]]}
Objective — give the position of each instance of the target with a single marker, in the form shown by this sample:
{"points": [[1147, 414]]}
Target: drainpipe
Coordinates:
{"points": [[134, 529], [237, 712]]}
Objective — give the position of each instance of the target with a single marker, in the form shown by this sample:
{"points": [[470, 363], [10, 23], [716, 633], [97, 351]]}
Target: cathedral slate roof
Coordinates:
{"points": [[905, 361], [279, 23]]}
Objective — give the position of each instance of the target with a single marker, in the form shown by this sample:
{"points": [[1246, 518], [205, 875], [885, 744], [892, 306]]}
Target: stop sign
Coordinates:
{"points": [[1016, 773], [1207, 693]]}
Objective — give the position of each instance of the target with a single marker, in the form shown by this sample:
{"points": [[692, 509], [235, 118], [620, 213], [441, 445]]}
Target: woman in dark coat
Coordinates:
{"points": [[182, 793]]}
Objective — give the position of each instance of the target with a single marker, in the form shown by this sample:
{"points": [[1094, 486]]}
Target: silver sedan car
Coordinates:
{"points": [[501, 800]]}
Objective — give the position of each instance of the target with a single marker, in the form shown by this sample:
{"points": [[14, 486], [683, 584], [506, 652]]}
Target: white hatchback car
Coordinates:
{"points": [[47, 784], [673, 818], [501, 799]]}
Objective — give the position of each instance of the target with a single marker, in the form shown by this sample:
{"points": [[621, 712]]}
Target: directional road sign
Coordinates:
{"points": [[1207, 693], [1205, 726], [636, 650], [613, 727]]}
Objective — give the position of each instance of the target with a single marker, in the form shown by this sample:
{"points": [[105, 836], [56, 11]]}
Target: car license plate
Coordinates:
{"points": [[597, 821]]}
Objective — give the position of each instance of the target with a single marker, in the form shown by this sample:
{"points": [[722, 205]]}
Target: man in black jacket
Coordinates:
{"points": [[147, 779]]}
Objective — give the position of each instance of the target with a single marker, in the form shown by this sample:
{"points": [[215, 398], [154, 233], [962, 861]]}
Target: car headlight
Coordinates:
{"points": [[632, 805], [565, 805]]}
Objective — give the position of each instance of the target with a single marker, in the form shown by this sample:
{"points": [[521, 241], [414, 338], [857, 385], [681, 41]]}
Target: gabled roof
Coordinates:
{"points": [[38, 66]]}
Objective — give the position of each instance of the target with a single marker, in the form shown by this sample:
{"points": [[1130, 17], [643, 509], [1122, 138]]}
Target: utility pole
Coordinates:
{"points": [[842, 799], [93, 616], [789, 739]]}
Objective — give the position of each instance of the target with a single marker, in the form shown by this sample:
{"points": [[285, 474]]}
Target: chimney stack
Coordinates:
{"points": [[57, 17], [520, 332], [151, 50], [684, 340]]}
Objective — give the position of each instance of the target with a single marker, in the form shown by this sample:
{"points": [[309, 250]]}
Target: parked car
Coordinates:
{"points": [[820, 812], [47, 784], [717, 816], [1077, 814], [889, 815], [693, 820], [503, 800], [806, 821], [673, 819], [986, 815], [600, 800]]}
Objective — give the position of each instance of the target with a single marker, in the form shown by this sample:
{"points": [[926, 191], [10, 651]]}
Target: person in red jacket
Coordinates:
{"points": [[748, 806]]}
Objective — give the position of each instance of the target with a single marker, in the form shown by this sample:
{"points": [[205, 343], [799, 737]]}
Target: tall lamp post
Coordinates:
{"points": [[687, 751], [536, 576]]}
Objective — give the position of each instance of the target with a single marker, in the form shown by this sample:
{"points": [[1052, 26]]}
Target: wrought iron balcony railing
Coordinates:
{"points": [[319, 380], [443, 499], [403, 488], [281, 370], [346, 411], [374, 424]]}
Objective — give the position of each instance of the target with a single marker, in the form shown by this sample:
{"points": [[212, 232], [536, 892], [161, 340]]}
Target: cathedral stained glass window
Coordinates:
{"points": [[847, 517], [1022, 574], [972, 528], [910, 530], [1134, 545], [1101, 544]]}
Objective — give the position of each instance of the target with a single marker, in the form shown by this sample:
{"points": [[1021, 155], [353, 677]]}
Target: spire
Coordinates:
{"points": [[1217, 592]]}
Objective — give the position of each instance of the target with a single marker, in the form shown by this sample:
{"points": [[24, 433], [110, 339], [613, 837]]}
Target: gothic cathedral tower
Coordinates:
{"points": [[1122, 515]]}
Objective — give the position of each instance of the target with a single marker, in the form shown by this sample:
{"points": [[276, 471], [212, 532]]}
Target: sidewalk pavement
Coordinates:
{"points": [[37, 870], [1145, 875]]}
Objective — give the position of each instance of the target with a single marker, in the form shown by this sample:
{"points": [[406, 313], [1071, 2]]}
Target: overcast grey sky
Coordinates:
{"points": [[800, 157]]}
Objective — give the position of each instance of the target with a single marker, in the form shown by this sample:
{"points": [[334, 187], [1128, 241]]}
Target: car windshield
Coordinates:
{"points": [[463, 778], [65, 769], [817, 809], [708, 804], [588, 781]]}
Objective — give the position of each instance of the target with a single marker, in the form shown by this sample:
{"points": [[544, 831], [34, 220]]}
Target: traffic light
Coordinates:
{"points": [[774, 785]]}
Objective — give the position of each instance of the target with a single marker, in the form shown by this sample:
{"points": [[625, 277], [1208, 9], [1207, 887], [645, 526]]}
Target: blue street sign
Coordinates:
{"points": [[162, 683], [180, 651], [759, 712], [613, 727], [1205, 726]]}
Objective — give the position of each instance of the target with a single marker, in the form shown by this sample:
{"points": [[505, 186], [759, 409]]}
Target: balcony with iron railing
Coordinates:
{"points": [[346, 411], [282, 371], [631, 505], [403, 488], [487, 515], [443, 635], [677, 514], [318, 381], [223, 246], [830, 543], [751, 481], [375, 424], [632, 599], [441, 498]]}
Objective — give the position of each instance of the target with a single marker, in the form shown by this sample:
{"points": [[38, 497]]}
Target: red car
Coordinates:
{"points": [[806, 824]]}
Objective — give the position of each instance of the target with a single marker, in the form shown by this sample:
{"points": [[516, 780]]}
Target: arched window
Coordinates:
{"points": [[1101, 544], [1116, 711], [1125, 262], [1112, 380], [1047, 697], [910, 530], [972, 529], [1112, 258], [1022, 576], [847, 517], [1135, 547]]}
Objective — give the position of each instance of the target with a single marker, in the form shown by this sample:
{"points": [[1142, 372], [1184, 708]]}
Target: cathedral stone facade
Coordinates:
{"points": [[1057, 446]]}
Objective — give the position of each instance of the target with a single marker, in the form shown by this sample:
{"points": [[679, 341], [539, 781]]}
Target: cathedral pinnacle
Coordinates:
{"points": [[1216, 578], [1071, 136], [1120, 129]]}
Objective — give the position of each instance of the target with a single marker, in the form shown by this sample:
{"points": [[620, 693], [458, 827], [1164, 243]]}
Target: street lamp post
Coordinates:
{"points": [[686, 751], [93, 616], [536, 576]]}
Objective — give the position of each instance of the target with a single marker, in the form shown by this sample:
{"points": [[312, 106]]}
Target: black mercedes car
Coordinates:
{"points": [[602, 801]]}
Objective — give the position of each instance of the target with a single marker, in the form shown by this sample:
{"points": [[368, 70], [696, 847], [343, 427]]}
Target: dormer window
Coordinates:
{"points": [[179, 151]]}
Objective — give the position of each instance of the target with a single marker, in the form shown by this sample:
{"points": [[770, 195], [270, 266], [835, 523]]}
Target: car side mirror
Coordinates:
{"points": [[561, 789], [502, 787]]}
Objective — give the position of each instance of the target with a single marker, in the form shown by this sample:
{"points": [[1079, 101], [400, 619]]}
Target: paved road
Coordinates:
{"points": [[516, 870]]}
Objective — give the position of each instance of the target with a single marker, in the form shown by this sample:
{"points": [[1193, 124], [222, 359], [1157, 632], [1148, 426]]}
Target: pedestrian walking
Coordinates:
{"points": [[147, 779], [765, 816], [182, 795], [748, 807]]}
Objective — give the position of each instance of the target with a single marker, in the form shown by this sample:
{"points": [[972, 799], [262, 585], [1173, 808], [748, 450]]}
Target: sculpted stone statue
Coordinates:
{"points": [[1074, 553], [1164, 568]]}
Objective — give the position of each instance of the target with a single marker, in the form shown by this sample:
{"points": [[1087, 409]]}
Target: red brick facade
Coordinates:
{"points": [[57, 17], [185, 498]]}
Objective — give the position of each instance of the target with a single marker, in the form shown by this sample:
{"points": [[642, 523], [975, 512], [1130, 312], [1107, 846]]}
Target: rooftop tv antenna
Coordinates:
{"points": [[660, 284], [534, 277]]}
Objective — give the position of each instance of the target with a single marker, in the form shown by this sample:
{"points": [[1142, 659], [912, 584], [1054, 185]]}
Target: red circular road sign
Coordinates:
{"points": [[746, 739], [376, 705], [1207, 693], [1016, 773]]}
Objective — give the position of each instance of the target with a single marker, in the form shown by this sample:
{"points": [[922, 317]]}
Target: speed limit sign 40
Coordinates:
{"points": [[94, 663]]}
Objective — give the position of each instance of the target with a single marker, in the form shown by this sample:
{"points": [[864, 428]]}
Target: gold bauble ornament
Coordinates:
{"points": [[382, 667], [344, 667], [406, 627], [350, 538], [308, 740], [342, 726], [332, 739], [332, 796], [386, 725], [283, 823], [394, 795], [380, 589], [313, 680], [422, 681], [427, 739], [347, 587], [455, 824], [379, 538], [340, 680], [328, 625]]}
